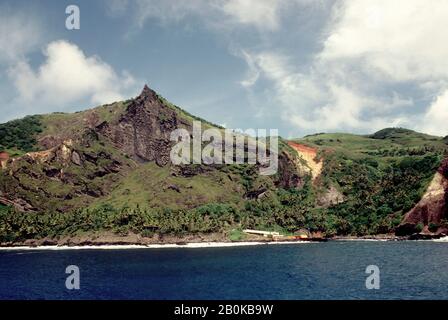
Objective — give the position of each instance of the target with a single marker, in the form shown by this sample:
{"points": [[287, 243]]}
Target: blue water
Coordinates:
{"points": [[333, 270]]}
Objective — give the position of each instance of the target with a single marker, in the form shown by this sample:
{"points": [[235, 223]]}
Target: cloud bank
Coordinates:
{"points": [[307, 66], [66, 76], [19, 34], [369, 48], [379, 63]]}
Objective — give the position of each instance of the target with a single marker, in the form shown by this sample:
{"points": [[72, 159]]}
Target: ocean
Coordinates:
{"points": [[332, 270]]}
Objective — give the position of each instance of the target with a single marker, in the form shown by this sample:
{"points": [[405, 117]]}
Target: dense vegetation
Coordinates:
{"points": [[15, 226], [375, 200], [380, 177], [20, 134], [390, 133], [377, 197]]}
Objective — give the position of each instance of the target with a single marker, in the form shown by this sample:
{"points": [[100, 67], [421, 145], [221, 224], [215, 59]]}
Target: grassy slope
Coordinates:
{"points": [[150, 186], [381, 177], [147, 185], [361, 146], [71, 124]]}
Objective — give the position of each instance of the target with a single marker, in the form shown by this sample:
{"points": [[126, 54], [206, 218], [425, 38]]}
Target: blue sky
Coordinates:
{"points": [[300, 66]]}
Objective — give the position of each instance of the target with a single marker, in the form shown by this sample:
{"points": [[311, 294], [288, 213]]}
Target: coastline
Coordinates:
{"points": [[191, 245], [108, 241]]}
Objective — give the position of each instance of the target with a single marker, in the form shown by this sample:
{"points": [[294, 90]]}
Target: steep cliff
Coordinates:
{"points": [[311, 163], [143, 131], [428, 215]]}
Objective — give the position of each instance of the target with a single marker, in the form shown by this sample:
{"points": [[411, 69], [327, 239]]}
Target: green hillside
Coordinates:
{"points": [[390, 142], [103, 170], [382, 176]]}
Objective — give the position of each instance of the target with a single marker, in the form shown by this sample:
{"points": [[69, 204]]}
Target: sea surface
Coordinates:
{"points": [[332, 270]]}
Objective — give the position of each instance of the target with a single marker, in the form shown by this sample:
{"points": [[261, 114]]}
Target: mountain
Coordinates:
{"points": [[107, 171]]}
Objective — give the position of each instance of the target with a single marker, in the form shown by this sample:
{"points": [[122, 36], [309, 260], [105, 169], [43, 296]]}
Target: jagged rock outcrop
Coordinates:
{"points": [[294, 168], [290, 172], [61, 178], [143, 132], [432, 208], [62, 154]]}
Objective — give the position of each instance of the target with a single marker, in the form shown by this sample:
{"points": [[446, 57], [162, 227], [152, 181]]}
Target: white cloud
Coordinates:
{"points": [[436, 118], [370, 47], [319, 100], [260, 13], [68, 76], [253, 73], [19, 33], [220, 14], [396, 42], [402, 40]]}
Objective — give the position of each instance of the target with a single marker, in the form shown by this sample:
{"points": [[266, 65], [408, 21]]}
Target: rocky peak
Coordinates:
{"points": [[147, 94], [144, 130]]}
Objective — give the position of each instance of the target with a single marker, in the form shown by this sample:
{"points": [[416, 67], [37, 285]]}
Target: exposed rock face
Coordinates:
{"points": [[144, 130], [61, 154], [48, 180], [291, 174], [293, 169], [331, 197], [309, 155], [4, 157], [432, 208]]}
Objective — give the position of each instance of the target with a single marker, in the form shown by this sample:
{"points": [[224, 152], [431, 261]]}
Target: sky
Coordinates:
{"points": [[299, 66]]}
